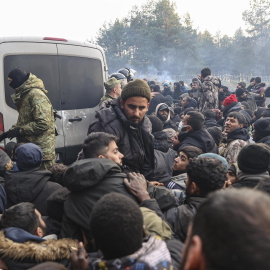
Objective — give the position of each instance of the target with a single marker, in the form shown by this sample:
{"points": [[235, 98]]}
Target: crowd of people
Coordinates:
{"points": [[165, 179]]}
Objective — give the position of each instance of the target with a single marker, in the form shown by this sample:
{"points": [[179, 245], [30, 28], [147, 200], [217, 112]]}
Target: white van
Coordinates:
{"points": [[72, 72]]}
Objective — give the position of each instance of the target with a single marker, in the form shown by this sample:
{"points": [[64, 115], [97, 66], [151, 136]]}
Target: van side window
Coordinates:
{"points": [[81, 82], [72, 82]]}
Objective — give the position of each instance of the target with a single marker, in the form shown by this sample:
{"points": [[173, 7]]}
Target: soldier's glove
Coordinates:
{"points": [[3, 136], [12, 133]]}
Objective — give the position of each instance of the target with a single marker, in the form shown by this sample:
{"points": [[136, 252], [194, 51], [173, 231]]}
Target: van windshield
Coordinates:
{"points": [[72, 82]]}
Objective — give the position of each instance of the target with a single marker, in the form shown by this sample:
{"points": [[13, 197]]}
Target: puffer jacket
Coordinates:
{"points": [[33, 186], [36, 119], [21, 250], [209, 94]]}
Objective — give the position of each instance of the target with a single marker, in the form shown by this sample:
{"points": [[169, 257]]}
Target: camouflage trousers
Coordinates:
{"points": [[46, 164]]}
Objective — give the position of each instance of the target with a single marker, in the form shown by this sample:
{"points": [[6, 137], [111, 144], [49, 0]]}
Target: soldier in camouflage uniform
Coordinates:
{"points": [[209, 91], [35, 122], [237, 137], [113, 91]]}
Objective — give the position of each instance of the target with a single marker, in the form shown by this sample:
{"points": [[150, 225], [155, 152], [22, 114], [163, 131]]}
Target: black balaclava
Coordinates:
{"points": [[18, 76]]}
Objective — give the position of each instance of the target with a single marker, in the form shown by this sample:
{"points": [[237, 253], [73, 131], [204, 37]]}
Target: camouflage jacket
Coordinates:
{"points": [[209, 94], [35, 120], [106, 99], [232, 145]]}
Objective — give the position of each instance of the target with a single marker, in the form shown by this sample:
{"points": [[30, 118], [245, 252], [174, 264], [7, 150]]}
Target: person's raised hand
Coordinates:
{"points": [[137, 186], [79, 258]]}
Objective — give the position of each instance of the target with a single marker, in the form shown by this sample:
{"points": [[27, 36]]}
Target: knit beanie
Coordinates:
{"points": [[28, 156], [212, 155], [157, 124], [227, 101], [247, 118], [262, 126], [216, 134], [18, 76], [136, 88], [239, 92], [253, 159], [243, 84], [244, 103]]}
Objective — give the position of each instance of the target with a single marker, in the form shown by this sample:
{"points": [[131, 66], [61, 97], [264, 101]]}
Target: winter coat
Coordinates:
{"points": [[250, 180], [21, 250], [178, 217], [231, 146], [88, 180], [265, 140], [135, 142], [209, 94], [199, 138], [36, 119], [30, 186]]}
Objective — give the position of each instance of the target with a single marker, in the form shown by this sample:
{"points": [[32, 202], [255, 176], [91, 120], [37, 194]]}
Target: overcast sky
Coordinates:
{"points": [[81, 19]]}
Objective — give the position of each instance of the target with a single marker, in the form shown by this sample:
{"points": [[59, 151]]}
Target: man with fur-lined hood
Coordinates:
{"points": [[163, 113], [209, 91], [22, 241]]}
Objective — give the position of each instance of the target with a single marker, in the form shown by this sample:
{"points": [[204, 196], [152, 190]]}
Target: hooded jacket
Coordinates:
{"points": [[209, 94], [30, 186], [88, 180], [265, 140], [168, 123], [199, 138], [36, 119], [21, 250], [231, 146], [135, 142]]}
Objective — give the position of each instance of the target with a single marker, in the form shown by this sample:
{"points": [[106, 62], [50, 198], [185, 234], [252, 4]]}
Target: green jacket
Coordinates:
{"points": [[36, 119]]}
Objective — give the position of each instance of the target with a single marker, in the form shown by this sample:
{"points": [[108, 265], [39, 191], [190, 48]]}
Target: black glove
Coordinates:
{"points": [[3, 136], [15, 132]]}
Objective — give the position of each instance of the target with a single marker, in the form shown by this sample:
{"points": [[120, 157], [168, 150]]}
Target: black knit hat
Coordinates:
{"points": [[136, 88], [239, 92], [18, 76], [262, 126], [253, 159]]}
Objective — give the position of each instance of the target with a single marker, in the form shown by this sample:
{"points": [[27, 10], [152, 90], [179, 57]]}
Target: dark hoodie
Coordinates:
{"points": [[30, 186]]}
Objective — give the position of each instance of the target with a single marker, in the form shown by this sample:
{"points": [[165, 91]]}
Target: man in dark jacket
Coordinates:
{"points": [[261, 132], [210, 119], [204, 176], [99, 173], [30, 183], [126, 120], [193, 133], [250, 98], [188, 102], [23, 240]]}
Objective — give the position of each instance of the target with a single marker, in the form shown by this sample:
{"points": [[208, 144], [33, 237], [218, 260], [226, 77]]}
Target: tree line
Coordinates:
{"points": [[154, 39]]}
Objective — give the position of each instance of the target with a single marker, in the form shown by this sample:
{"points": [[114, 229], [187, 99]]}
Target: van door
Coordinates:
{"points": [[41, 60], [81, 71]]}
